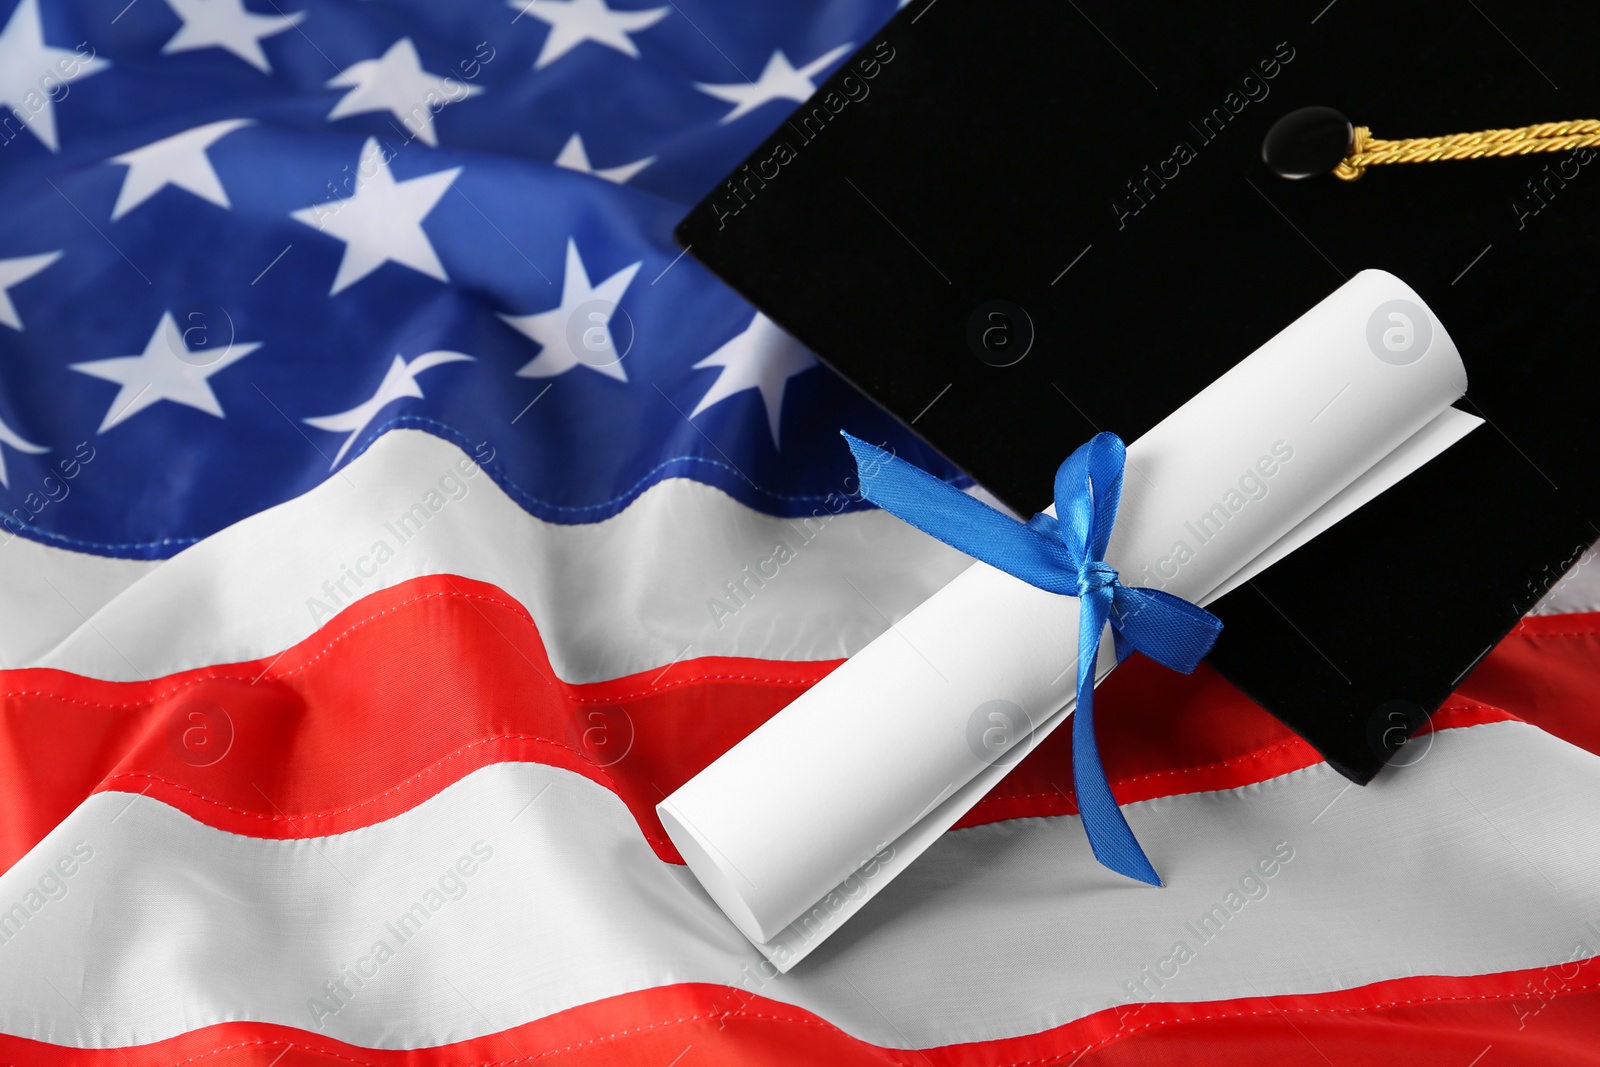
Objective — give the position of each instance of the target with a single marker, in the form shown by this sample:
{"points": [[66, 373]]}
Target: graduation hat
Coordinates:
{"points": [[1098, 168]]}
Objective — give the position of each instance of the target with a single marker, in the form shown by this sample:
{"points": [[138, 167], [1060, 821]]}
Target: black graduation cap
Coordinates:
{"points": [[1099, 166]]}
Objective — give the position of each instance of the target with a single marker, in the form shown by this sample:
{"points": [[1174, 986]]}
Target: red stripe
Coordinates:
{"points": [[1533, 1017], [404, 693], [410, 689], [1547, 672]]}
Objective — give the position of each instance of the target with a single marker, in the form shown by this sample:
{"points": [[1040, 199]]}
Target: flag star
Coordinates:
{"points": [[574, 21], [14, 272], [226, 24], [779, 81], [179, 160], [28, 66], [167, 369], [400, 381], [763, 358], [8, 436], [574, 157], [395, 82], [382, 220], [579, 330]]}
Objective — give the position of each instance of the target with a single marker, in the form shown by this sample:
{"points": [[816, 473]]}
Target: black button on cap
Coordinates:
{"points": [[1307, 142]]}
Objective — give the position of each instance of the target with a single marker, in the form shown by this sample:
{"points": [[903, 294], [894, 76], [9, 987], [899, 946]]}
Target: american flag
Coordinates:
{"points": [[393, 515]]}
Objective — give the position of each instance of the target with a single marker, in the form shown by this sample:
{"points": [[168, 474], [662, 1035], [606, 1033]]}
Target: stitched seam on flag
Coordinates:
{"points": [[615, 786], [819, 1023], [1293, 742], [512, 606], [456, 437], [1320, 765], [1483, 998], [416, 777], [573, 697], [1466, 708], [432, 768], [496, 472], [216, 674], [398, 787], [654, 690], [603, 776], [34, 533], [509, 605], [1182, 772], [1179, 772], [1052, 1057]]}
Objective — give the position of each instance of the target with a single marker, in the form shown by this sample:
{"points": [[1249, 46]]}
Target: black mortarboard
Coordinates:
{"points": [[1100, 166]]}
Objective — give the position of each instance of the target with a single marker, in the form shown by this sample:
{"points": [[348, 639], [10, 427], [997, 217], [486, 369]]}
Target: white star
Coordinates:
{"points": [[8, 436], [764, 358], [779, 81], [574, 21], [29, 69], [226, 24], [396, 82], [579, 330], [13, 272], [179, 160], [400, 381], [382, 221], [573, 157], [168, 369]]}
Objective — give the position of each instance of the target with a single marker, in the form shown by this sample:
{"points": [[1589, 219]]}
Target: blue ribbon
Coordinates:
{"points": [[1062, 554]]}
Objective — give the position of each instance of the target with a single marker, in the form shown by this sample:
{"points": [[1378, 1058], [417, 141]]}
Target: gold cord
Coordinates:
{"points": [[1367, 151]]}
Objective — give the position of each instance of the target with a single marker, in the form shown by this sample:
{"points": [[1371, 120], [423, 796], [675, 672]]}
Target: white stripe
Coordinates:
{"points": [[625, 595], [1480, 857], [48, 592], [1577, 591], [629, 594]]}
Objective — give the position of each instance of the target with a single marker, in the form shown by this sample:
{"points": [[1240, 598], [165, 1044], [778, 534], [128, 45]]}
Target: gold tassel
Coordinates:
{"points": [[1368, 151]]}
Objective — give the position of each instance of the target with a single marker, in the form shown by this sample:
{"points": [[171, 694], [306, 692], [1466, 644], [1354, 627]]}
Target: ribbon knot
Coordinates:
{"points": [[1064, 554], [1097, 575]]}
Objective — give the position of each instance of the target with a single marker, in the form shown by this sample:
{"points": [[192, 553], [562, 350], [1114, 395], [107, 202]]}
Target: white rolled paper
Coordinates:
{"points": [[799, 824]]}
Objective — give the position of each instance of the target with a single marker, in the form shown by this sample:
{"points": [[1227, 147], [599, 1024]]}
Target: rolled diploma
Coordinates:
{"points": [[798, 825]]}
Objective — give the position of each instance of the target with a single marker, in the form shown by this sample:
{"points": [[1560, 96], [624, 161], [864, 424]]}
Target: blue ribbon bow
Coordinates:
{"points": [[1062, 554]]}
